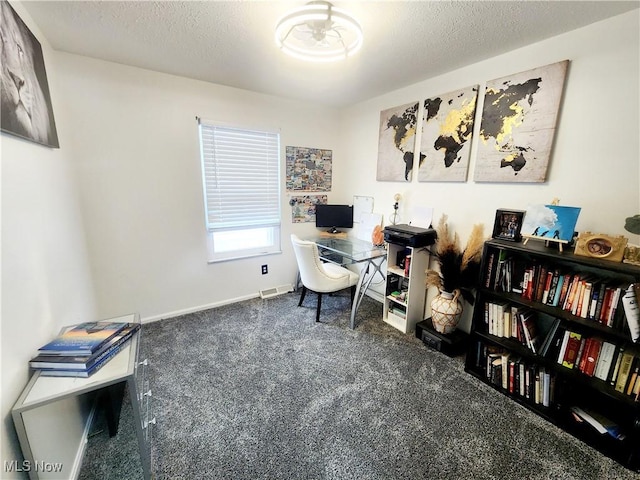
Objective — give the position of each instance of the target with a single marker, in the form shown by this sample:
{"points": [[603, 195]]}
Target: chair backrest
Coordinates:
{"points": [[312, 272]]}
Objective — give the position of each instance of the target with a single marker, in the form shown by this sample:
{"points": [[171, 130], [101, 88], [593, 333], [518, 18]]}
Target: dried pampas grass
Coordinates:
{"points": [[459, 269]]}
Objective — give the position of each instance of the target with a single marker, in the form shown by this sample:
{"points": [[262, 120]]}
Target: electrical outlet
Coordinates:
{"points": [[265, 269]]}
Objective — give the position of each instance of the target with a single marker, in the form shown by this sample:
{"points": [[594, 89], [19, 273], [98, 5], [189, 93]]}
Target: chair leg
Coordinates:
{"points": [[353, 293], [304, 292], [319, 303]]}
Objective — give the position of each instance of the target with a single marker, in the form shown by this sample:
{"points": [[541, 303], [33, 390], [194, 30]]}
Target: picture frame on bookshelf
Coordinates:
{"points": [[508, 225], [606, 247]]}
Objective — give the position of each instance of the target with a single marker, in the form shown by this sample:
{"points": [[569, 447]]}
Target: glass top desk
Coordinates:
{"points": [[346, 251]]}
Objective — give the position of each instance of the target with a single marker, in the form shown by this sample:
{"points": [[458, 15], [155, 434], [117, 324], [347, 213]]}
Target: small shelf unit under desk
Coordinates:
{"points": [[403, 312]]}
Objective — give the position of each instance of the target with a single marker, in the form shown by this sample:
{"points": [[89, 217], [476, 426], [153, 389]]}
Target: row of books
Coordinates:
{"points": [[82, 350], [535, 384], [597, 358], [582, 294], [531, 382], [545, 336], [520, 323]]}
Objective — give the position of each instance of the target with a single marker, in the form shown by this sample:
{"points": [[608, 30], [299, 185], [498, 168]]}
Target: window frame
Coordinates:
{"points": [[269, 227]]}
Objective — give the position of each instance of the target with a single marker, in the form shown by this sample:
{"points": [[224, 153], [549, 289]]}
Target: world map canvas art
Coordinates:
{"points": [[518, 125], [396, 143], [447, 128]]}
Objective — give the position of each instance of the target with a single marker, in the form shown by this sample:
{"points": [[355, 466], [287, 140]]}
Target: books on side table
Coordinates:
{"points": [[83, 349]]}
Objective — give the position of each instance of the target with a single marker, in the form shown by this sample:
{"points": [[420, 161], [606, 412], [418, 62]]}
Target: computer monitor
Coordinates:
{"points": [[334, 217]]}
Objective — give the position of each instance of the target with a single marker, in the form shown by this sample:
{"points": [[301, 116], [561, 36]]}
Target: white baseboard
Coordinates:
{"points": [[178, 313], [377, 296]]}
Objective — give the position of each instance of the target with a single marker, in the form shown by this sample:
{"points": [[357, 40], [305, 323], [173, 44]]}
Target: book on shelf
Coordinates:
{"points": [[582, 350], [407, 265], [616, 366], [541, 281], [631, 310], [576, 306], [513, 317], [528, 278], [574, 296], [571, 349], [585, 302], [556, 288], [495, 318], [529, 328], [505, 370], [602, 288], [494, 368], [635, 391], [83, 339], [546, 388], [549, 336], [547, 286], [615, 302], [601, 423], [498, 282], [555, 343], [605, 360], [562, 291], [517, 272], [563, 346], [624, 371], [63, 362], [490, 270], [398, 310], [522, 378], [592, 354], [633, 376]]}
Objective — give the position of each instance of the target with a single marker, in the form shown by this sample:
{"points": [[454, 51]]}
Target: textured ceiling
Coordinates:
{"points": [[232, 42]]}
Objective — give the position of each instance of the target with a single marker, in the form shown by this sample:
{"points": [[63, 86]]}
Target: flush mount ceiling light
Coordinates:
{"points": [[319, 32]]}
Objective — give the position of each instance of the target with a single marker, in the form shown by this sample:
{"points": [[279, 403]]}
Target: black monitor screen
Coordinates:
{"points": [[334, 217]]}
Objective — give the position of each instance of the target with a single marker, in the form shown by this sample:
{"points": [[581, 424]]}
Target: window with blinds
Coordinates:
{"points": [[241, 181]]}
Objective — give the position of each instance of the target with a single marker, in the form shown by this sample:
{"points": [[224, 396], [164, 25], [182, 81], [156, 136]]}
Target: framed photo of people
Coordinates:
{"points": [[508, 225]]}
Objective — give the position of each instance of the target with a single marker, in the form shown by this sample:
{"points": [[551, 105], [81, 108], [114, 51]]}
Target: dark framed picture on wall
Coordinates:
{"points": [[508, 225], [25, 107]]}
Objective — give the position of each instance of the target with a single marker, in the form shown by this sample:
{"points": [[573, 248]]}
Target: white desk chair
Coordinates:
{"points": [[320, 277]]}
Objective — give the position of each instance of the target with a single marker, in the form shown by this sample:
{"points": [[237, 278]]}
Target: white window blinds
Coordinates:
{"points": [[241, 171]]}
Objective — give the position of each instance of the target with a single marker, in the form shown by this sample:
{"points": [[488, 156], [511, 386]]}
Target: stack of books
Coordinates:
{"points": [[83, 349]]}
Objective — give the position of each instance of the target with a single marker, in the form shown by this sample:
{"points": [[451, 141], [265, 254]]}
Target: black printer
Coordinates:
{"points": [[409, 236]]}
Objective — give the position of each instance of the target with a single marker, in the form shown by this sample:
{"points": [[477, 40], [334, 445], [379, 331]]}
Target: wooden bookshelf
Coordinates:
{"points": [[573, 383]]}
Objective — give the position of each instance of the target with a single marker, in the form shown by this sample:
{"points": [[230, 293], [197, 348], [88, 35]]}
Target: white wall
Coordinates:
{"points": [[136, 153], [46, 281], [595, 164]]}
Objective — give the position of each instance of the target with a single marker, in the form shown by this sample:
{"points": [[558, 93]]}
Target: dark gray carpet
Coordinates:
{"points": [[258, 390]]}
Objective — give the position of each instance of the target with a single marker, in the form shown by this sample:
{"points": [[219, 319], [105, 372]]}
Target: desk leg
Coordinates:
{"points": [[356, 300], [110, 401], [366, 277]]}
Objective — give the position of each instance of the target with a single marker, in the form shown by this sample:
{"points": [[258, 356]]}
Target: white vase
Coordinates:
{"points": [[446, 310]]}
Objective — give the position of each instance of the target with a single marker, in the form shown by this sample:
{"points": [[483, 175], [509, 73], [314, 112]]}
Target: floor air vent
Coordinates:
{"points": [[279, 290]]}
